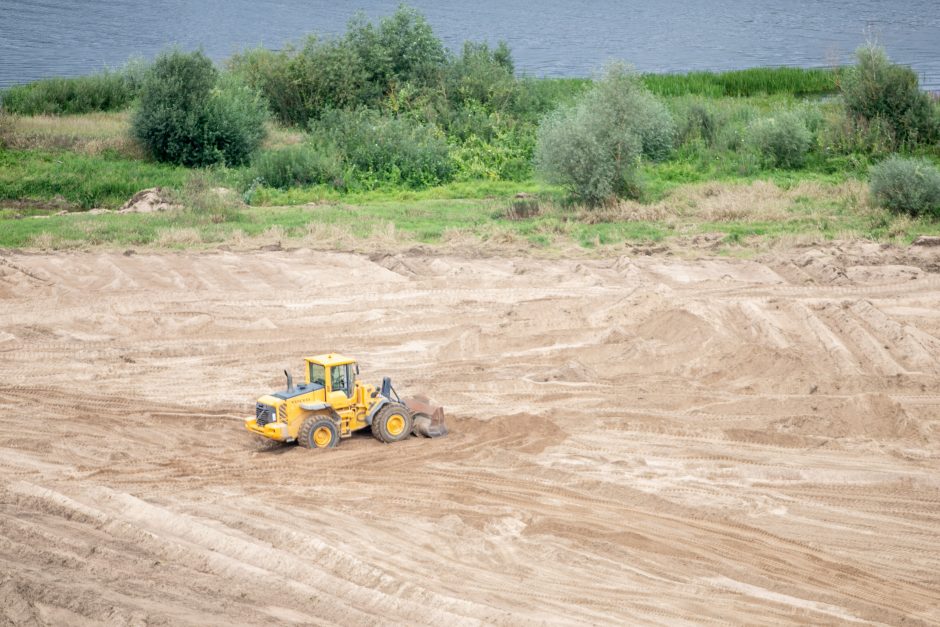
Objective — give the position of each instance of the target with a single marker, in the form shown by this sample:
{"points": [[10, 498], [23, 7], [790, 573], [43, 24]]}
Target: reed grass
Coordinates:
{"points": [[750, 82], [106, 91]]}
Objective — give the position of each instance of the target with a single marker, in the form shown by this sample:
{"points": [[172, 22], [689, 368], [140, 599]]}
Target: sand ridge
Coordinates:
{"points": [[634, 439]]}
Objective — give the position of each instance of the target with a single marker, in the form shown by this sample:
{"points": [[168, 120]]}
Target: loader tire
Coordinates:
{"points": [[392, 423], [318, 432]]}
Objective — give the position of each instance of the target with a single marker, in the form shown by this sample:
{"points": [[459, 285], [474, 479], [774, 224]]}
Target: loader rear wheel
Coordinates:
{"points": [[392, 423], [318, 433]]}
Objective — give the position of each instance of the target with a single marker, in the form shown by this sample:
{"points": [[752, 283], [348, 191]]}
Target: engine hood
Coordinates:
{"points": [[298, 390]]}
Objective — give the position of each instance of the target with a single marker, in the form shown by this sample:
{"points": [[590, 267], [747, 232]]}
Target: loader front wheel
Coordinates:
{"points": [[318, 433], [392, 423]]}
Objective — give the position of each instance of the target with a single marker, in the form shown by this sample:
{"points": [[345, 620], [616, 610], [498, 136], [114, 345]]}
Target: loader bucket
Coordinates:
{"points": [[428, 418]]}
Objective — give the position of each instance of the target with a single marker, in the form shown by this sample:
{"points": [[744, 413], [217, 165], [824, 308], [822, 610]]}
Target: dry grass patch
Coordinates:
{"points": [[388, 233], [47, 242], [89, 133], [717, 202], [759, 201], [175, 236], [238, 239], [278, 136], [328, 236]]}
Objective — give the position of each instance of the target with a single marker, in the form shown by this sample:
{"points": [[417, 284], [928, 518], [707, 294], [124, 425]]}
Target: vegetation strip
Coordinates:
{"points": [[384, 118]]}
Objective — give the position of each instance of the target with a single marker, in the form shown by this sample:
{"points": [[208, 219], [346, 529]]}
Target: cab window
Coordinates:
{"points": [[317, 374], [340, 379]]}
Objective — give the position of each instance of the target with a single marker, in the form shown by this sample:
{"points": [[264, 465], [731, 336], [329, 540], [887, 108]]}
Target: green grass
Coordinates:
{"points": [[84, 181], [107, 91], [547, 93], [690, 167], [818, 210], [264, 196], [750, 82], [424, 221]]}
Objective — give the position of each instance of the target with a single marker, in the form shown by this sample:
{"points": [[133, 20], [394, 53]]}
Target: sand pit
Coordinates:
{"points": [[634, 440]]}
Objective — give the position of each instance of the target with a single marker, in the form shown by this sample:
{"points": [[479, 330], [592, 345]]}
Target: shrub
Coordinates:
{"points": [[905, 185], [368, 65], [713, 123], [272, 74], [482, 76], [698, 119], [235, 117], [876, 89], [850, 135], [298, 166], [107, 91], [401, 49], [781, 141], [300, 84], [594, 146], [187, 115], [328, 74], [507, 156], [624, 103], [386, 149]]}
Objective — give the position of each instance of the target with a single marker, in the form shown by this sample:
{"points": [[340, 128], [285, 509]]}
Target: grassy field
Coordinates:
{"points": [[88, 160], [728, 218], [710, 190]]}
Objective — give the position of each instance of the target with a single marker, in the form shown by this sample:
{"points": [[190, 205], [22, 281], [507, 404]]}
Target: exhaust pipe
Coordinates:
{"points": [[290, 381]]}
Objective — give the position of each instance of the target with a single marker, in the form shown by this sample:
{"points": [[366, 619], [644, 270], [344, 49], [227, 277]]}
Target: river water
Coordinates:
{"points": [[40, 38]]}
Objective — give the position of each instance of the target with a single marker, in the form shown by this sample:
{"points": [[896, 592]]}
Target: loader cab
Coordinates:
{"points": [[336, 373]]}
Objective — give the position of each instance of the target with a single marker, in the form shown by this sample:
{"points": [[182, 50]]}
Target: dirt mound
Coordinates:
{"points": [[148, 201], [854, 263], [15, 607], [868, 416]]}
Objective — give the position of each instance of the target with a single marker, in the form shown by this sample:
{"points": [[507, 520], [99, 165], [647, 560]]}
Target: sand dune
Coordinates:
{"points": [[634, 440]]}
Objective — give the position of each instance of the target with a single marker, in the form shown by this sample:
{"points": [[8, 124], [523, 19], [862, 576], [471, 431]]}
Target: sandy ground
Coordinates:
{"points": [[634, 440]]}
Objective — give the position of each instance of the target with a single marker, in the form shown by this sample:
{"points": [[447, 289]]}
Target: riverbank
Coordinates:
{"points": [[714, 182]]}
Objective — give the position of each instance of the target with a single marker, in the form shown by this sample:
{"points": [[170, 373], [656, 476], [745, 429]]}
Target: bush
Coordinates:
{"points": [[876, 89], [298, 166], [698, 119], [401, 49], [108, 91], [327, 74], [483, 76], [594, 146], [386, 149], [270, 73], [187, 115], [906, 186], [713, 123], [364, 68], [843, 134], [576, 151], [506, 156], [235, 117], [300, 84], [781, 141]]}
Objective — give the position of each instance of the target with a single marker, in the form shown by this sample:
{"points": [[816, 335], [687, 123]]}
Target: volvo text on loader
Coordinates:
{"points": [[332, 403]]}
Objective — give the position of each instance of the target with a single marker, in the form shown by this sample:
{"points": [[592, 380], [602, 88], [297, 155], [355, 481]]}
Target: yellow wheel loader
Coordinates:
{"points": [[332, 403]]}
